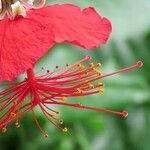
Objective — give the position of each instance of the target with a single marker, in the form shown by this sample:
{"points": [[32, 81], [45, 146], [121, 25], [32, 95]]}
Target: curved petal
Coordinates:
{"points": [[22, 42], [70, 24]]}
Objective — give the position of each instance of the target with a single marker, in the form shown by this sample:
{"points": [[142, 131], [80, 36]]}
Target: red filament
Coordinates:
{"points": [[54, 88]]}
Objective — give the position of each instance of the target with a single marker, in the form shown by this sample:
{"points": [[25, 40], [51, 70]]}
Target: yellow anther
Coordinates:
{"points": [[4, 129], [98, 72], [94, 70], [15, 102], [86, 73], [79, 91], [98, 64], [91, 65], [63, 98], [64, 129], [17, 125], [46, 135], [61, 121], [13, 114], [51, 115], [80, 66], [100, 84], [90, 85], [79, 104], [101, 90], [58, 112]]}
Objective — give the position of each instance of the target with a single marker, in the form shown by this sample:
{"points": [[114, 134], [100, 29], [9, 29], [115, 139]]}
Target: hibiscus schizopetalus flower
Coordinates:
{"points": [[28, 31], [54, 88]]}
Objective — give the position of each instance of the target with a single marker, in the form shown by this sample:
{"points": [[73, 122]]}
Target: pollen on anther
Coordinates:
{"points": [[79, 65], [63, 98], [98, 72], [15, 102], [17, 125], [46, 135], [102, 90], [86, 73], [90, 85], [65, 129], [94, 70], [61, 121], [79, 91], [4, 129], [58, 112], [100, 84], [91, 65], [98, 64], [12, 114]]}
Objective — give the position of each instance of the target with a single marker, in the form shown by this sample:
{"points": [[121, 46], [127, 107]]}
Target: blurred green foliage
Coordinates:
{"points": [[129, 42]]}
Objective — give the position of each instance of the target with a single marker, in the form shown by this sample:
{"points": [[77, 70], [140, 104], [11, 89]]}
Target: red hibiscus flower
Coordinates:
{"points": [[28, 31], [26, 34]]}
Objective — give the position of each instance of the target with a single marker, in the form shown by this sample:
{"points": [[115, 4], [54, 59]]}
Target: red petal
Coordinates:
{"points": [[70, 24], [22, 42]]}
